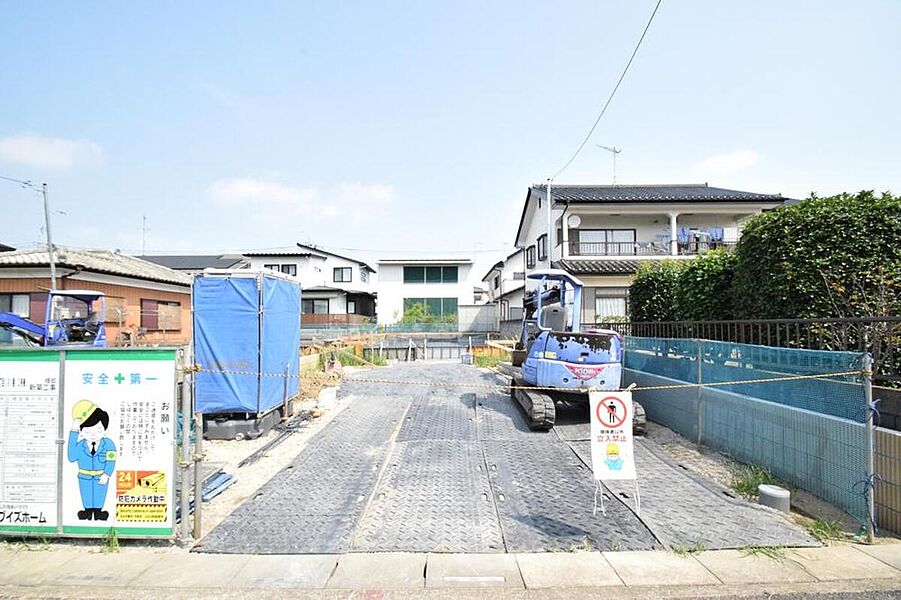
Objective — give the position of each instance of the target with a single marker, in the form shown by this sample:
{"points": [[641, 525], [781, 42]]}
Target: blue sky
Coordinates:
{"points": [[415, 128]]}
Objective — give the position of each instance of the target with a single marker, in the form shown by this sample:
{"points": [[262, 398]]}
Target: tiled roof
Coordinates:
{"points": [[194, 262], [425, 261], [98, 261], [700, 192], [330, 253], [284, 252], [306, 250], [598, 267]]}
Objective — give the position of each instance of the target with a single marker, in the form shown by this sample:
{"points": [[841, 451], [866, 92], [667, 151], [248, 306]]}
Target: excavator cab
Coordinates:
{"points": [[75, 317]]}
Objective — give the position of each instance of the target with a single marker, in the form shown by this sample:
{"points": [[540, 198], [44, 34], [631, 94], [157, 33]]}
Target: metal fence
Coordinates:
{"points": [[881, 336], [760, 405]]}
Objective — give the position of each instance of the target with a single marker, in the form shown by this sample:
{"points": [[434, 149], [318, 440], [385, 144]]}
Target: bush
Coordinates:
{"points": [[703, 289], [420, 313], [824, 257], [652, 295]]}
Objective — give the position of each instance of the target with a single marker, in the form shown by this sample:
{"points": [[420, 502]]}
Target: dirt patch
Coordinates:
{"points": [[312, 383]]}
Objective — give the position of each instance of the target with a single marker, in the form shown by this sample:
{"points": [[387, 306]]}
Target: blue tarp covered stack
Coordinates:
{"points": [[246, 337]]}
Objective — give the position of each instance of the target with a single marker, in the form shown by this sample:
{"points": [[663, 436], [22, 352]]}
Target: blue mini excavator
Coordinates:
{"points": [[72, 318], [554, 353]]}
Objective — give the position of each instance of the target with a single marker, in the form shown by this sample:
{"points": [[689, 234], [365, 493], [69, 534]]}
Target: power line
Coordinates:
{"points": [[612, 94]]}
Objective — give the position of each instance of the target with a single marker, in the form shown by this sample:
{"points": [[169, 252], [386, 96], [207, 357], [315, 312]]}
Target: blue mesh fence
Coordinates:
{"points": [[808, 432]]}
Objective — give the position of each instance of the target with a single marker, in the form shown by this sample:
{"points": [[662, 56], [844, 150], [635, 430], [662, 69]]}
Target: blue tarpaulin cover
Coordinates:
{"points": [[246, 334]]}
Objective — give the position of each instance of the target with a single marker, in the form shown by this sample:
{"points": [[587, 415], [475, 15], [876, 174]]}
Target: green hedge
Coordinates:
{"points": [[824, 257], [704, 288], [653, 291]]}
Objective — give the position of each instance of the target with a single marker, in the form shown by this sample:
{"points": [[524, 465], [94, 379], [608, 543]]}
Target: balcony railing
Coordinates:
{"points": [[700, 247], [642, 248], [618, 249]]}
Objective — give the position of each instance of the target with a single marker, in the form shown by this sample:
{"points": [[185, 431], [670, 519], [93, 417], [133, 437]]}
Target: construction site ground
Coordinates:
{"points": [[430, 457]]}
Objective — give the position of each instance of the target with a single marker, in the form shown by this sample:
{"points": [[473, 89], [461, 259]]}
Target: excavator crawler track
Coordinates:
{"points": [[539, 407], [639, 419]]}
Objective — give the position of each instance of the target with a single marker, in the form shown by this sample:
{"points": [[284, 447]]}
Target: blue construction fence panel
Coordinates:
{"points": [[226, 342], [280, 342], [246, 332], [808, 432]]}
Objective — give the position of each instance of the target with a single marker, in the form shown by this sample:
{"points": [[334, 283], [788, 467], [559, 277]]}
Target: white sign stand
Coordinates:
{"points": [[612, 452]]}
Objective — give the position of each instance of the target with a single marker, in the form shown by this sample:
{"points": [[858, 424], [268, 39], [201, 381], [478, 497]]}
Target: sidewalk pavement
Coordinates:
{"points": [[66, 570]]}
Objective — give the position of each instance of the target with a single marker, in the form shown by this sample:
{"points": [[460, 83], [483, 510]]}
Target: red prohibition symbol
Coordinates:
{"points": [[611, 412]]}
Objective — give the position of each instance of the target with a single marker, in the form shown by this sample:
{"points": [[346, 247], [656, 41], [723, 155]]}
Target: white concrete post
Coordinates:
{"points": [[673, 234]]}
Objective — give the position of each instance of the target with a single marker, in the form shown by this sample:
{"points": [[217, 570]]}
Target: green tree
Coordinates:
{"points": [[823, 257], [418, 313]]}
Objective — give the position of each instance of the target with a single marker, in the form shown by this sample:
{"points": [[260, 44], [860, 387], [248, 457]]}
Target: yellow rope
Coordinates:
{"points": [[677, 386]]}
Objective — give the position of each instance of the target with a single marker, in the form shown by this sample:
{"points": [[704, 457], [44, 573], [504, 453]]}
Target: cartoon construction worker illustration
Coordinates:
{"points": [[95, 455], [614, 461]]}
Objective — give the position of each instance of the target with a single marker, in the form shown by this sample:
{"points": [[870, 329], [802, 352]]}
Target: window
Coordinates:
{"points": [[431, 274], [497, 281], [289, 270], [606, 307], [542, 247], [315, 306], [600, 242], [272, 267], [160, 315], [342, 274], [116, 310], [414, 274], [439, 307], [351, 307], [530, 257], [15, 303]]}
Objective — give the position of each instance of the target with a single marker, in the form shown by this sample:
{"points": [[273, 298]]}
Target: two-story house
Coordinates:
{"points": [[601, 233], [506, 285], [337, 290], [442, 285]]}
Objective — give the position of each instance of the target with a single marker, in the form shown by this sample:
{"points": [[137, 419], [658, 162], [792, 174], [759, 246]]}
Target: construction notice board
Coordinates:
{"points": [[612, 455], [87, 442]]}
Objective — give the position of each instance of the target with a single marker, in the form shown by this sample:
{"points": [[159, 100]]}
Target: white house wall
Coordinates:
{"points": [[392, 290], [314, 272]]}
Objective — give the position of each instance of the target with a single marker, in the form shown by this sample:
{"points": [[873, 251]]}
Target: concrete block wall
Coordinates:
{"points": [[888, 486]]}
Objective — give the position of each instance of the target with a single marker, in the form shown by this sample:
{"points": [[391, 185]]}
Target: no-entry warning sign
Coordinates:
{"points": [[612, 456]]}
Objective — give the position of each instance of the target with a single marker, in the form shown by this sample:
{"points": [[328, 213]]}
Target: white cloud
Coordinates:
{"points": [[270, 200], [730, 162], [41, 152], [364, 201], [262, 195]]}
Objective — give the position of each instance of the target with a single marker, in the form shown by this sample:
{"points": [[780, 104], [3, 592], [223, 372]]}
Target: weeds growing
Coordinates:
{"points": [[680, 550], [111, 541], [746, 479], [776, 553], [824, 530]]}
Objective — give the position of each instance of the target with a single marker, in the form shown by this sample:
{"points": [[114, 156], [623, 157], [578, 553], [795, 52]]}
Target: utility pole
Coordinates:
{"points": [[43, 191], [49, 237], [613, 150], [550, 225]]}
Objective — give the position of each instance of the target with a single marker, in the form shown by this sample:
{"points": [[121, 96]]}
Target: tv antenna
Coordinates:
{"points": [[144, 230], [614, 151]]}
